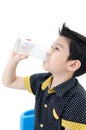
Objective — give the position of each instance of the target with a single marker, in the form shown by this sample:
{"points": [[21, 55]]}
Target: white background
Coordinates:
{"points": [[39, 20]]}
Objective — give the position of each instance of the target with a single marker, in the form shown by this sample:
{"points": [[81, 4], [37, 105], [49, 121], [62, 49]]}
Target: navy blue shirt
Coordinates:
{"points": [[63, 106]]}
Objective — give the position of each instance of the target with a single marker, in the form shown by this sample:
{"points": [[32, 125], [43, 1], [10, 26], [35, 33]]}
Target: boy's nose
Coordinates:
{"points": [[49, 52]]}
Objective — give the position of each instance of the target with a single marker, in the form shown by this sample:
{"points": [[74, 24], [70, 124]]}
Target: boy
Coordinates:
{"points": [[60, 99]]}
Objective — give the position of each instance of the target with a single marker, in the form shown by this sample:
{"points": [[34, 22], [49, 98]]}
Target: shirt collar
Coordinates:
{"points": [[46, 83], [61, 89]]}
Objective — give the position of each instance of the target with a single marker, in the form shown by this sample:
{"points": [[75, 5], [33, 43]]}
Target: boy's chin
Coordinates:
{"points": [[45, 67]]}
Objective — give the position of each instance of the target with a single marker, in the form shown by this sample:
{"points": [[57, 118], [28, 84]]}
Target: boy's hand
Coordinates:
{"points": [[17, 57]]}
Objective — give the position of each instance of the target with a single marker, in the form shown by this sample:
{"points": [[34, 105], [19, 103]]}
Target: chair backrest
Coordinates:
{"points": [[27, 120]]}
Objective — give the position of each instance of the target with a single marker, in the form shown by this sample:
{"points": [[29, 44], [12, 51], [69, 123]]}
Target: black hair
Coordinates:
{"points": [[77, 48]]}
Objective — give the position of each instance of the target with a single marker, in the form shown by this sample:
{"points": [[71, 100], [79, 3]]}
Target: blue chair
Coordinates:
{"points": [[27, 120]]}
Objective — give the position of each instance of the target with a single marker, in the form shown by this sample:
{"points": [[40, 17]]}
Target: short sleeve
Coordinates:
{"points": [[33, 83], [74, 115]]}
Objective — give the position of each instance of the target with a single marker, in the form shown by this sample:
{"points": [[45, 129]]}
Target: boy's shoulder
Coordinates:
{"points": [[79, 90], [75, 107], [76, 99], [41, 76], [77, 94]]}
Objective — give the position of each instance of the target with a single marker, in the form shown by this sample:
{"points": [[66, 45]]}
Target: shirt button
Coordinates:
{"points": [[45, 105], [41, 125]]}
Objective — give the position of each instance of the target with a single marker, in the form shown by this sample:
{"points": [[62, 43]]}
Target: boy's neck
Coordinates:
{"points": [[59, 79]]}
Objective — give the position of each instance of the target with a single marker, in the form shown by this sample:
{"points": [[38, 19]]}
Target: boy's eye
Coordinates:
{"points": [[54, 48]]}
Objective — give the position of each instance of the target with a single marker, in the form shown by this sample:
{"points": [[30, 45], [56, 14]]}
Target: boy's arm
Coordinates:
{"points": [[9, 77]]}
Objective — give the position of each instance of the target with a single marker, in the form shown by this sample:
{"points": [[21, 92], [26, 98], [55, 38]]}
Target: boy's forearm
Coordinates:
{"points": [[9, 74], [9, 77]]}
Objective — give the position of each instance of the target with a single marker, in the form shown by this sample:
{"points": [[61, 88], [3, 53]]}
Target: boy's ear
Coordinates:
{"points": [[74, 65]]}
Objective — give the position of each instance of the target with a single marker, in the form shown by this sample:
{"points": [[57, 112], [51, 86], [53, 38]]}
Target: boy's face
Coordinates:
{"points": [[56, 62]]}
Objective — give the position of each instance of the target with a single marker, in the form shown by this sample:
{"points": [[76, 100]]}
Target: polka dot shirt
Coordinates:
{"points": [[63, 106]]}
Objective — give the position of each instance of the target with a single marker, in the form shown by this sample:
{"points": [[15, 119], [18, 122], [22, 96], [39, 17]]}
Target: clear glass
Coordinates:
{"points": [[26, 46]]}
